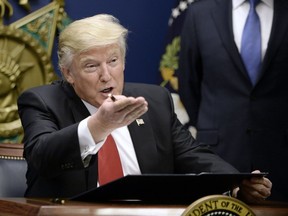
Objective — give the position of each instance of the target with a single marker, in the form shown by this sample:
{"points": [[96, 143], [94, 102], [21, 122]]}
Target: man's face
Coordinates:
{"points": [[96, 73]]}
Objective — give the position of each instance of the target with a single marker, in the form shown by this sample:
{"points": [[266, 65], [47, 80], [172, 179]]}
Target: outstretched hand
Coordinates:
{"points": [[254, 190], [114, 114]]}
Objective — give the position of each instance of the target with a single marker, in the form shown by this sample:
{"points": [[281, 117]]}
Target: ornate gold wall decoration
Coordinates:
{"points": [[25, 59], [169, 64], [4, 4], [23, 64], [41, 25], [25, 4]]}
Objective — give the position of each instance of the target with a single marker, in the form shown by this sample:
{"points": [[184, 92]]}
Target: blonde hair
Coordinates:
{"points": [[96, 31]]}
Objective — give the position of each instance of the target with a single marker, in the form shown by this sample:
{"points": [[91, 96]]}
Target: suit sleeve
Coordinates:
{"points": [[48, 147], [189, 156]]}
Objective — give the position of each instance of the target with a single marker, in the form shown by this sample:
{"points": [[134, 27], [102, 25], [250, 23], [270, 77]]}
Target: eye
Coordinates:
{"points": [[90, 67], [113, 61]]}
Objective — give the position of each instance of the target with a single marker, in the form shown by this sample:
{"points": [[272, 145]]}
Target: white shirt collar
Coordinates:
{"points": [[269, 3], [237, 3], [90, 108]]}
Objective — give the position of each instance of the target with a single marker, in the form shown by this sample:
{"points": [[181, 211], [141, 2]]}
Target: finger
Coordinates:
{"points": [[267, 183], [250, 195], [256, 171], [132, 107], [136, 113], [262, 185], [126, 105], [258, 189], [245, 195], [263, 182], [128, 115]]}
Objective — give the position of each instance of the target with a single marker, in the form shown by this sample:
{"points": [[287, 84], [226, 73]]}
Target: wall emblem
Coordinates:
{"points": [[25, 59]]}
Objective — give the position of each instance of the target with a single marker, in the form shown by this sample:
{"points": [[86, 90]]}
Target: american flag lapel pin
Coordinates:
{"points": [[139, 122]]}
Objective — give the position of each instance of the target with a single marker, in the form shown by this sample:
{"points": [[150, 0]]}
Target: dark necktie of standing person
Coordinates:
{"points": [[109, 164], [251, 43]]}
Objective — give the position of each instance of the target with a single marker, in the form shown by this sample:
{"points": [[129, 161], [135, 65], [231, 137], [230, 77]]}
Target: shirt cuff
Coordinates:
{"points": [[86, 141]]}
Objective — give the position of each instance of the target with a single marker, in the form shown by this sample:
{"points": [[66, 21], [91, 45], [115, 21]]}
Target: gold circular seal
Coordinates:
{"points": [[215, 205], [23, 64]]}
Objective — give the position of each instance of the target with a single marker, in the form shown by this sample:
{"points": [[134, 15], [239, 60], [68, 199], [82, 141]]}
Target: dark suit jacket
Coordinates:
{"points": [[50, 116], [247, 125]]}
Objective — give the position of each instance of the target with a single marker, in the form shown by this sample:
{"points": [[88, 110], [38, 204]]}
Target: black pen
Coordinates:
{"points": [[112, 97]]}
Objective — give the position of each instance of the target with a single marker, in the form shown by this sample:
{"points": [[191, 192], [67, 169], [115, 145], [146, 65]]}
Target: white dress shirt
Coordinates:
{"points": [[122, 139], [240, 12]]}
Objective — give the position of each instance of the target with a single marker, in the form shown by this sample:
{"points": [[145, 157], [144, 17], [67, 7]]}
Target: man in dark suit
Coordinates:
{"points": [[245, 121], [66, 124]]}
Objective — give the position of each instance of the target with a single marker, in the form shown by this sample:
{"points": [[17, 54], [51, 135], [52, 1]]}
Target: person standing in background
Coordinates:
{"points": [[238, 101]]}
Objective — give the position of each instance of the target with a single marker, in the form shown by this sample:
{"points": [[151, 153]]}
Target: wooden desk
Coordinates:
{"points": [[22, 206]]}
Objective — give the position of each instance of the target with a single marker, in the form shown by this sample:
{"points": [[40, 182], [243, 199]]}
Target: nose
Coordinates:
{"points": [[105, 75]]}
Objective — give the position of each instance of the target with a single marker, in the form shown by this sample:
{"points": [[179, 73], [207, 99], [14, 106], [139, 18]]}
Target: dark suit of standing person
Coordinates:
{"points": [[246, 123], [66, 123]]}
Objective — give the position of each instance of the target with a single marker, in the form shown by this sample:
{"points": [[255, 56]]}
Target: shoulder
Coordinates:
{"points": [[201, 6], [44, 88], [198, 11], [56, 91], [155, 95], [202, 3], [142, 89]]}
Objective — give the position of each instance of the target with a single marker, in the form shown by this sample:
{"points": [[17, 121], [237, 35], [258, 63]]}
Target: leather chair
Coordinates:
{"points": [[12, 170]]}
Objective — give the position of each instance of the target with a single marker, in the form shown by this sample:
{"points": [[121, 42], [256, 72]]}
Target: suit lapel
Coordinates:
{"points": [[143, 140], [278, 31], [77, 107], [144, 143], [222, 16]]}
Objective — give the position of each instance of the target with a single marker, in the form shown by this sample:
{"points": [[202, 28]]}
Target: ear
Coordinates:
{"points": [[67, 75]]}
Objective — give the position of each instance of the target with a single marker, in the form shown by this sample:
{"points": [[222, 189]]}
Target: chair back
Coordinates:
{"points": [[12, 170]]}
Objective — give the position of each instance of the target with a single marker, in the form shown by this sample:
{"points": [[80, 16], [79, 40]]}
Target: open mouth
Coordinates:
{"points": [[107, 90]]}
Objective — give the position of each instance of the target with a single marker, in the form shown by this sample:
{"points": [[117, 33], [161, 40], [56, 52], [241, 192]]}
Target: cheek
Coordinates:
{"points": [[84, 83], [119, 78], [88, 79], [119, 74]]}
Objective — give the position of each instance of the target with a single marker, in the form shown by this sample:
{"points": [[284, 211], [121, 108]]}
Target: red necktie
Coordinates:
{"points": [[109, 164]]}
